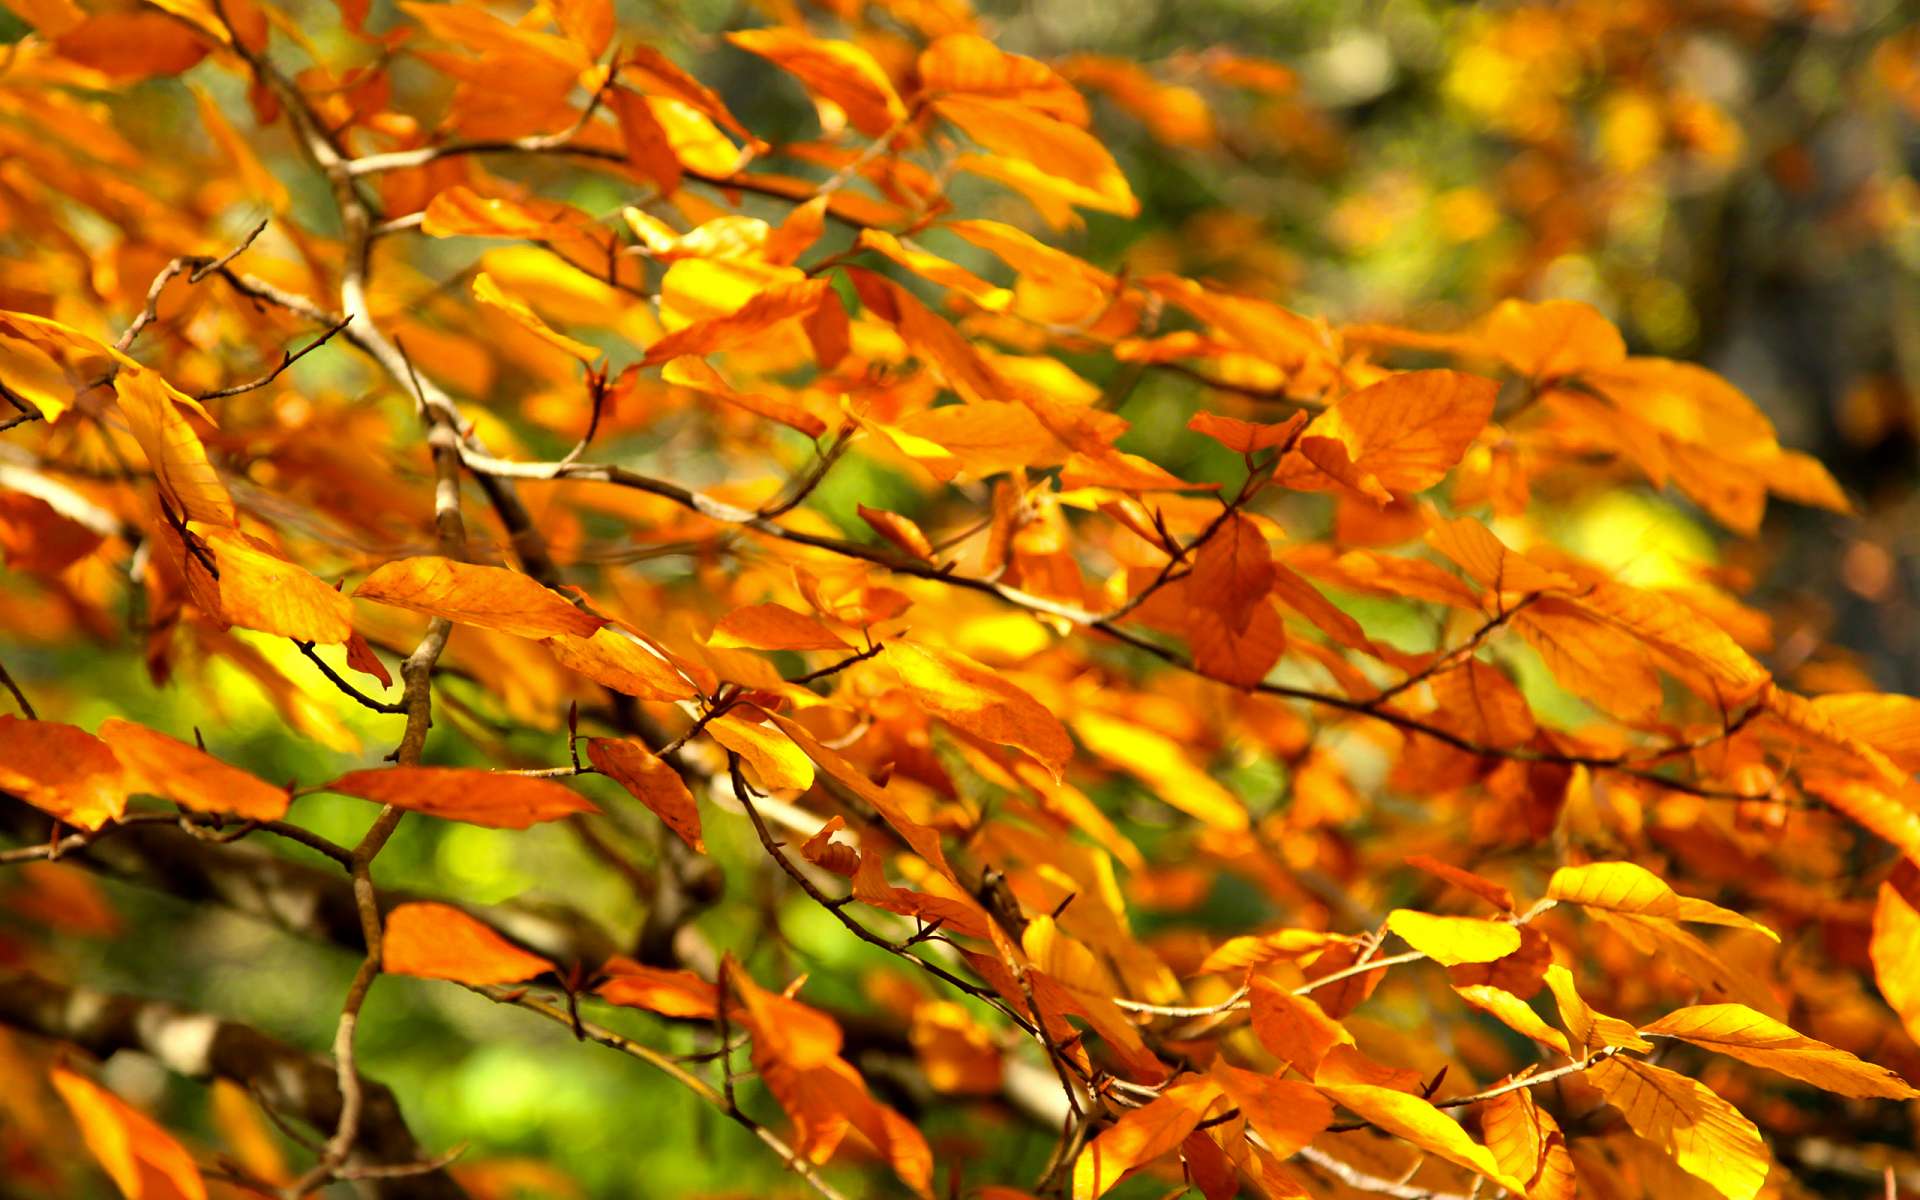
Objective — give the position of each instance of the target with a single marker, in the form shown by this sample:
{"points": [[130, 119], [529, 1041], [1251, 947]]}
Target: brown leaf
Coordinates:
{"points": [[651, 781]]}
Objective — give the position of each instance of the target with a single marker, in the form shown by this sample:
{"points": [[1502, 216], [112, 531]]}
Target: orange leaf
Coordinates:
{"points": [[260, 589], [1233, 572], [839, 73], [142, 1158], [653, 782], [1553, 339], [360, 657], [1140, 1136], [615, 658], [1285, 1113], [485, 597], [1247, 437], [1406, 431], [752, 319], [462, 794], [62, 770], [774, 627], [670, 993], [438, 941], [188, 776], [968, 696], [1294, 1028], [899, 530], [173, 449]]}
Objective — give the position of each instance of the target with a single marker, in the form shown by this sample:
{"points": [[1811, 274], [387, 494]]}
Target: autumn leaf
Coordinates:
{"points": [[260, 589], [191, 778], [438, 941], [1409, 1117], [485, 597], [670, 993], [489, 293], [776, 761], [62, 770], [971, 698], [1454, 940], [618, 659], [187, 480], [1405, 432], [654, 783], [751, 320], [840, 74], [1286, 1113], [1684, 1118], [1739, 1032], [1233, 571], [141, 1158], [1140, 1136], [774, 627], [1625, 887], [899, 530], [1895, 947], [1553, 339], [1293, 1028], [1163, 765], [490, 798]]}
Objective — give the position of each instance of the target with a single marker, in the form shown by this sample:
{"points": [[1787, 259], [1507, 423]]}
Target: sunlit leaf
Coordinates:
{"points": [[651, 781], [463, 794], [486, 597], [438, 941], [191, 778]]}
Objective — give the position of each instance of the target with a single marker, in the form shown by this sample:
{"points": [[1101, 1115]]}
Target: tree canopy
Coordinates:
{"points": [[856, 599]]}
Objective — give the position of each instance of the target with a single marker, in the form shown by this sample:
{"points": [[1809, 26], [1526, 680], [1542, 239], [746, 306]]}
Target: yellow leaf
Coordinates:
{"points": [[463, 794], [1890, 724], [615, 658], [62, 770], [979, 701], [1410, 1117], [1699, 652], [485, 597], [141, 1157], [1739, 1032], [460, 212], [1626, 887], [173, 450], [1895, 948], [260, 589], [1591, 1030], [190, 777], [775, 759], [1707, 1136], [487, 292], [1454, 940], [1140, 1136], [629, 763], [932, 267], [1513, 1012], [1162, 764], [438, 941]]}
